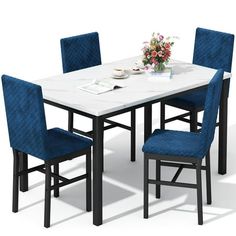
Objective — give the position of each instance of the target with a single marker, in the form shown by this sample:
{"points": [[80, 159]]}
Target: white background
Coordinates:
{"points": [[30, 50]]}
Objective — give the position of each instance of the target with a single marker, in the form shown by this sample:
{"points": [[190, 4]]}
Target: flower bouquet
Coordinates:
{"points": [[157, 52]]}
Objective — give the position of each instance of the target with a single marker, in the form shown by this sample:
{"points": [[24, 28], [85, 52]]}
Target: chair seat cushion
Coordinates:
{"points": [[190, 101], [174, 143], [60, 142]]}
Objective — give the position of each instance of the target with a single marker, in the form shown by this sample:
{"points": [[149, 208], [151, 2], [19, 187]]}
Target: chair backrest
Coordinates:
{"points": [[79, 52], [213, 49], [25, 114], [211, 109]]}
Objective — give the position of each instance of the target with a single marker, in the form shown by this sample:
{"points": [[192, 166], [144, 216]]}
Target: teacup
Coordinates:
{"points": [[118, 72]]}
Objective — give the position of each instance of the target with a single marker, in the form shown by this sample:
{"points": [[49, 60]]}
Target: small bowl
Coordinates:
{"points": [[136, 70]]}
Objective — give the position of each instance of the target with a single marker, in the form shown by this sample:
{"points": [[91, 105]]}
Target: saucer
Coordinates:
{"points": [[120, 77]]}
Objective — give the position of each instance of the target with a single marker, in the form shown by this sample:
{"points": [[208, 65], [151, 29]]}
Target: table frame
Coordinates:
{"points": [[98, 146]]}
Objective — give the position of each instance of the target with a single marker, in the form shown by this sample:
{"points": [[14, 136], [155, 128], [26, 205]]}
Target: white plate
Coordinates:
{"points": [[120, 77]]}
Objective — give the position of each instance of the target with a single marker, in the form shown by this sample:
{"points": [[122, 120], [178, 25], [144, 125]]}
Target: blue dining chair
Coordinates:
{"points": [[28, 134], [184, 150], [212, 49], [80, 52]]}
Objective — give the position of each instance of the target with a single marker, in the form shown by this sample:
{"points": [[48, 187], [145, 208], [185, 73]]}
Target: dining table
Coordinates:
{"points": [[138, 90]]}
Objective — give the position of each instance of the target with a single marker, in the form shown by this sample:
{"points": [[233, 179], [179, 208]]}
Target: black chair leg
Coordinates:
{"points": [[56, 180], [162, 108], [47, 200], [193, 121], [158, 178], [23, 165], [133, 134], [70, 121], [88, 182], [199, 192], [15, 198], [208, 178], [145, 196]]}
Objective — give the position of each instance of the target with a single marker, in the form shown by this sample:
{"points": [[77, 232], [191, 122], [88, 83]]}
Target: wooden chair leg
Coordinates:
{"points": [[158, 178], [133, 135], [15, 197], [47, 200], [55, 180], [88, 181], [199, 192], [162, 118], [145, 195], [208, 178], [70, 121], [193, 121]]}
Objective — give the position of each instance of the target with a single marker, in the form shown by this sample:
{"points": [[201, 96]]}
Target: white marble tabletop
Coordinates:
{"points": [[64, 89]]}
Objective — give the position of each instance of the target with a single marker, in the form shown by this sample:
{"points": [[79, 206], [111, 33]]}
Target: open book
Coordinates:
{"points": [[99, 86]]}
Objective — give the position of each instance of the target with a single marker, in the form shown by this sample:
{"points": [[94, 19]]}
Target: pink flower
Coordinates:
{"points": [[154, 61], [159, 54], [167, 53], [154, 53], [165, 58], [167, 45]]}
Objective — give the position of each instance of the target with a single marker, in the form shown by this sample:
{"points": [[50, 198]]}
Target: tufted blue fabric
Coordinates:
{"points": [[210, 109], [189, 144], [25, 114], [190, 101], [27, 125], [60, 142], [212, 49], [174, 143], [79, 52]]}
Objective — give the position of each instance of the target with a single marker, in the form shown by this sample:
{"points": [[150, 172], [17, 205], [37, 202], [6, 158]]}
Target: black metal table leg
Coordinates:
{"points": [[88, 182], [23, 165], [223, 116], [97, 169], [145, 184], [133, 134], [147, 121], [193, 121], [162, 117], [70, 121]]}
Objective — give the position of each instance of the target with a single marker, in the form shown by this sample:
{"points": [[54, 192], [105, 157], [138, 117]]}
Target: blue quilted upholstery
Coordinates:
{"points": [[27, 125], [79, 52], [60, 142], [174, 143], [212, 49], [189, 101], [211, 109], [188, 144]]}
